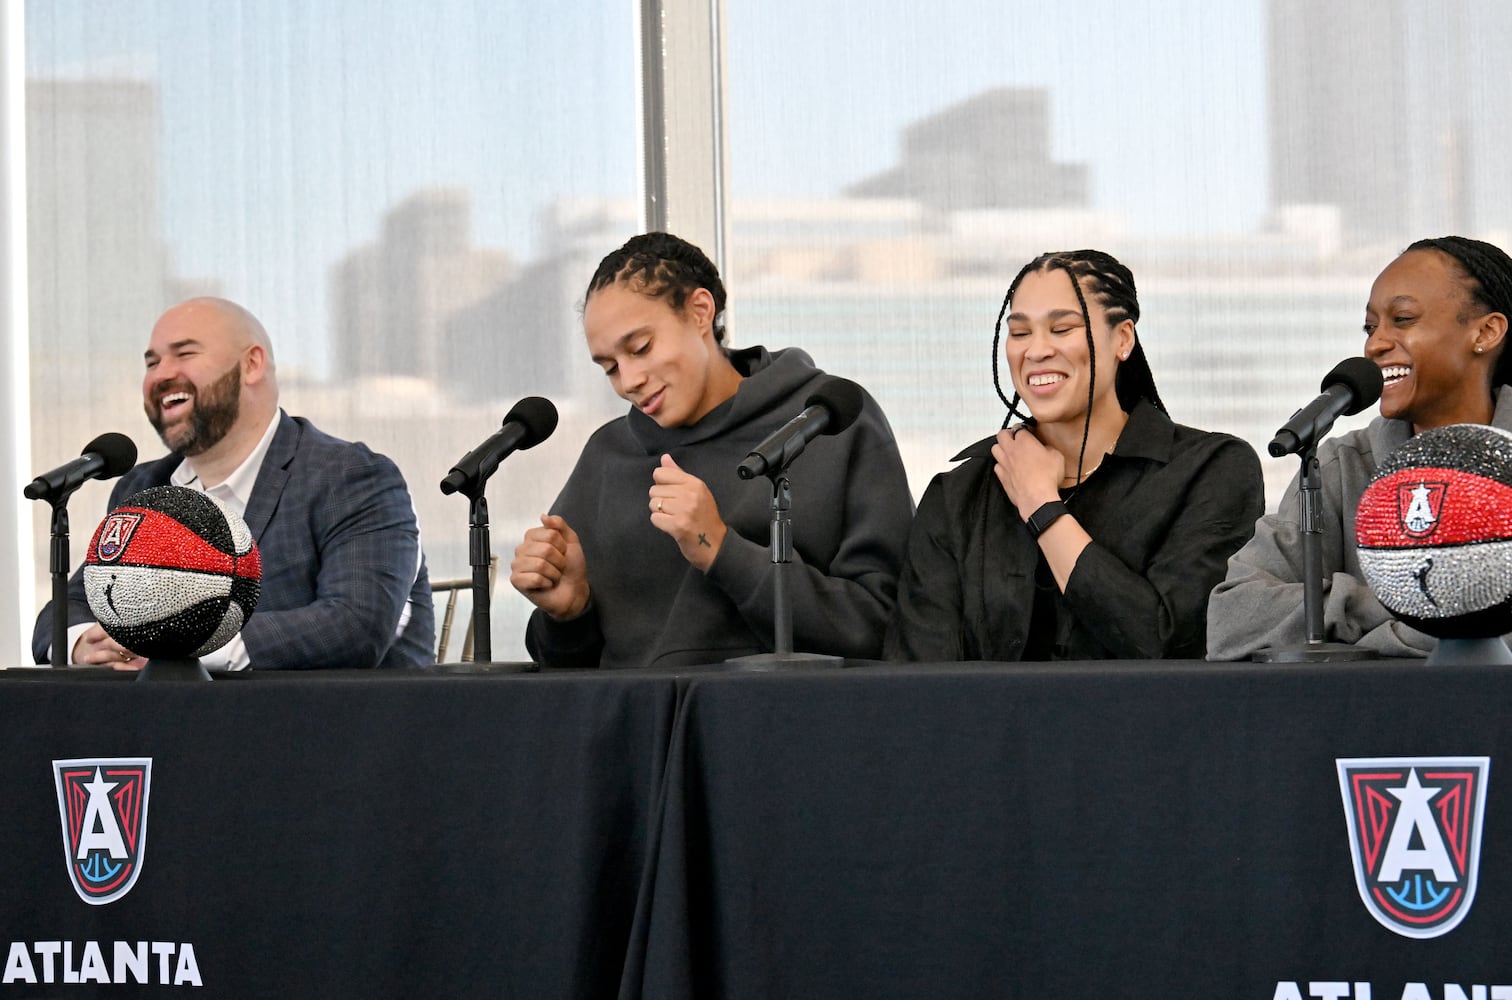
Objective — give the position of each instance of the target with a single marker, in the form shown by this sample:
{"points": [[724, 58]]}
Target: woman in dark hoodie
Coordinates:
{"points": [[655, 552]]}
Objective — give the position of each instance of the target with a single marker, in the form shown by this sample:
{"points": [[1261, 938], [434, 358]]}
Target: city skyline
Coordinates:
{"points": [[414, 211], [1222, 107]]}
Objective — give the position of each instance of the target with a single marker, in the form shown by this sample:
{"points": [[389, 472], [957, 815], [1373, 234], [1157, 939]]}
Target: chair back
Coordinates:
{"points": [[451, 588]]}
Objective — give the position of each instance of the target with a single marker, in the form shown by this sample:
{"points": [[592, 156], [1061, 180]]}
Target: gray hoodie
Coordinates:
{"points": [[649, 607], [1259, 603]]}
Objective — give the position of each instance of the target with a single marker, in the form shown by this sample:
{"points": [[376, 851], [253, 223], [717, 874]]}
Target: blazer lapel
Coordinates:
{"points": [[273, 476]]}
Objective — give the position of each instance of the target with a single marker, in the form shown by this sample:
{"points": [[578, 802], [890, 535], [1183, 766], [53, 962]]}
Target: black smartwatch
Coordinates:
{"points": [[1047, 515]]}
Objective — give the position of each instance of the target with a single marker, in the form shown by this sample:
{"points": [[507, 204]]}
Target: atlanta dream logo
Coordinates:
{"points": [[1415, 835], [102, 803], [115, 533], [1419, 506]]}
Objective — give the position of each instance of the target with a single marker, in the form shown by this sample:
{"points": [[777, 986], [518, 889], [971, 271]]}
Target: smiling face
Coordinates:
{"points": [[664, 361], [192, 389], [1047, 351], [1422, 330]]}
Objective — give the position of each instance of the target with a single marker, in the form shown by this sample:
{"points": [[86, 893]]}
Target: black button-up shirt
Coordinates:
{"points": [[1165, 511]]}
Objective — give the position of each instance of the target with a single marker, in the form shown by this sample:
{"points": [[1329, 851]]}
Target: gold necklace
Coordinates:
{"points": [[1072, 480]]}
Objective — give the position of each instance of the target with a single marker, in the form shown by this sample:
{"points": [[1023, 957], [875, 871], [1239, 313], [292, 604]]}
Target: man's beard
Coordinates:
{"points": [[216, 408]]}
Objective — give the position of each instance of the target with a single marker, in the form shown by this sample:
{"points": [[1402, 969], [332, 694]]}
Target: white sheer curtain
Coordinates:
{"points": [[410, 196], [1255, 164]]}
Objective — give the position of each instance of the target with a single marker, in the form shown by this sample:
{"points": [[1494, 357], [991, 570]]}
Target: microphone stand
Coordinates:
{"points": [[57, 566], [480, 557], [1316, 650], [781, 544]]}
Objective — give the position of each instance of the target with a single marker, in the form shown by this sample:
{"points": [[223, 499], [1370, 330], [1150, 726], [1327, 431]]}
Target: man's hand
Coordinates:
{"points": [[682, 506], [549, 569], [96, 649]]}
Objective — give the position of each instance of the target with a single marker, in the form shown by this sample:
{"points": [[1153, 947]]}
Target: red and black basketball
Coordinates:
{"points": [[172, 573], [1434, 530]]}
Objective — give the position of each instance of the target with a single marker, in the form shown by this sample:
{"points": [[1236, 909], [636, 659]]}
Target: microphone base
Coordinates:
{"points": [[1318, 652], [783, 661], [185, 669], [471, 667]]}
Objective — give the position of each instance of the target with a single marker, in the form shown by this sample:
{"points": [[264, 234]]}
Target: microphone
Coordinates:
{"points": [[1354, 384], [106, 457], [528, 423], [832, 408]]}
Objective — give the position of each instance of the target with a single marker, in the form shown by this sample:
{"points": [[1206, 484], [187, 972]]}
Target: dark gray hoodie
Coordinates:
{"points": [[649, 607]]}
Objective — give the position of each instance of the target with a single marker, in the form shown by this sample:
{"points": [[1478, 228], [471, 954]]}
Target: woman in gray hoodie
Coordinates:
{"points": [[656, 553]]}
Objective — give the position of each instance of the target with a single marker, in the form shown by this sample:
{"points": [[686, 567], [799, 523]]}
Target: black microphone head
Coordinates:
{"points": [[842, 398], [537, 415], [1361, 377], [118, 451]]}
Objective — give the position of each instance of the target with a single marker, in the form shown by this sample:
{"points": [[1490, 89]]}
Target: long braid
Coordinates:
{"points": [[1488, 271], [997, 337], [1081, 456]]}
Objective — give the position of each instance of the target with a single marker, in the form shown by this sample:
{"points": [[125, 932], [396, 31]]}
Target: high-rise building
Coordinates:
{"points": [[1372, 110], [1337, 87], [955, 160], [97, 272], [97, 267], [391, 300]]}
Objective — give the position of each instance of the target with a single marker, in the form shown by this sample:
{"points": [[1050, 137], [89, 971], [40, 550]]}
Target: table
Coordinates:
{"points": [[1068, 830]]}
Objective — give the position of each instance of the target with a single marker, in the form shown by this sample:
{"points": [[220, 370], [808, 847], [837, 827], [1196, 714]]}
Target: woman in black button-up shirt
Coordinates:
{"points": [[1093, 529]]}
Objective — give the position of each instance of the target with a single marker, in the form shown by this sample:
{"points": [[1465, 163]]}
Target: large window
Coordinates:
{"points": [[412, 197], [396, 189], [1254, 163]]}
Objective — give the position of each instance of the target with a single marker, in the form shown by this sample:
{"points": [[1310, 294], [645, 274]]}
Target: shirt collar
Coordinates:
{"points": [[236, 491], [1148, 434]]}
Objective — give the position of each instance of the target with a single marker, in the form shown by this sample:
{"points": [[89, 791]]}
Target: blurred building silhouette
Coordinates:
{"points": [[391, 301], [1372, 110], [991, 150], [98, 271]]}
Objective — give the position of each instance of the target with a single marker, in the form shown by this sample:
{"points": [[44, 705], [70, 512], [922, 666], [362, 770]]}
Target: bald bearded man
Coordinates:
{"points": [[344, 582]]}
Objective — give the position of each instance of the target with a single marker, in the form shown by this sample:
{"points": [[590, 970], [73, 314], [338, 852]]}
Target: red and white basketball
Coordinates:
{"points": [[172, 573], [1434, 531]]}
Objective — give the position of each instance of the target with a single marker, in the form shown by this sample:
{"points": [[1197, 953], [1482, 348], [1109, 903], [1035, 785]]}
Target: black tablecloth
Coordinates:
{"points": [[383, 836], [1075, 830]]}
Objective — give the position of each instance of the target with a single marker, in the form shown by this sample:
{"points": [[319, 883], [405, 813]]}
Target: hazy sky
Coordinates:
{"points": [[519, 101], [290, 126], [1165, 100]]}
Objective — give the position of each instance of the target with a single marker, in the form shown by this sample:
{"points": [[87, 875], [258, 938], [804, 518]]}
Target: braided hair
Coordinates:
{"points": [[1111, 284], [1486, 271], [663, 266]]}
